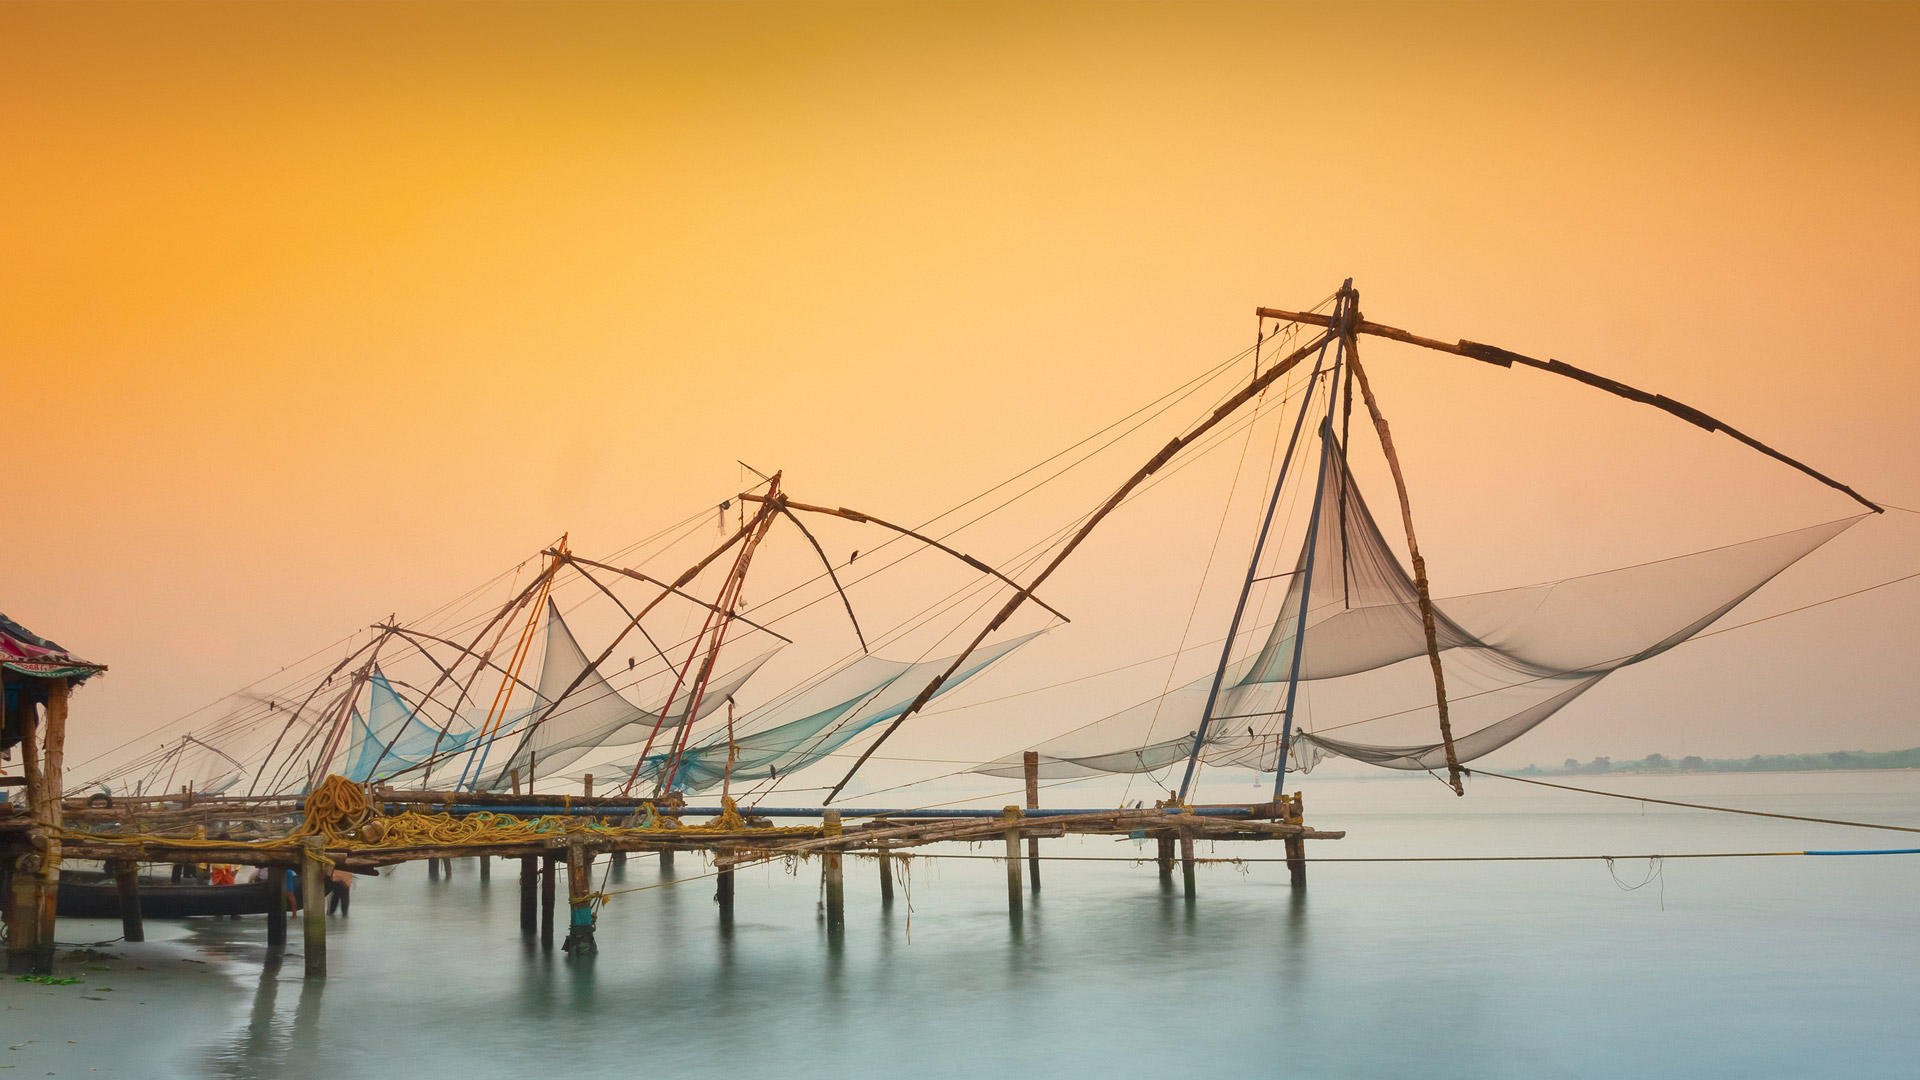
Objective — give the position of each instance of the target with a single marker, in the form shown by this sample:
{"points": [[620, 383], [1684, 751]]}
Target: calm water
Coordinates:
{"points": [[1726, 967]]}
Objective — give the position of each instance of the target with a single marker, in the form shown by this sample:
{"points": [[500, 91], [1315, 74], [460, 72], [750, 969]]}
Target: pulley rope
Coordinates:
{"points": [[1694, 806]]}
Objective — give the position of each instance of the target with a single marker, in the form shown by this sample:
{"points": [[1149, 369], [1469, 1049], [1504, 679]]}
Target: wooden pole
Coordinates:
{"points": [[1220, 413], [886, 878], [29, 950], [586, 785], [276, 886], [126, 879], [1186, 858], [516, 781], [1296, 847], [546, 900], [836, 889], [1032, 762], [723, 893], [579, 899], [1419, 569], [1015, 888], [313, 907], [486, 869], [529, 894], [52, 818], [666, 859], [1165, 857]]}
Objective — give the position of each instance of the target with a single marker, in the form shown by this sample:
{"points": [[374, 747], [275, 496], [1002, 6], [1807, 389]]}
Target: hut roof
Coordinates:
{"points": [[26, 653]]}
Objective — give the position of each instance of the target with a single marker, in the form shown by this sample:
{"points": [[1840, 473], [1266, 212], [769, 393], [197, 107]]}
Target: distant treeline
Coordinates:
{"points": [[1660, 763]]}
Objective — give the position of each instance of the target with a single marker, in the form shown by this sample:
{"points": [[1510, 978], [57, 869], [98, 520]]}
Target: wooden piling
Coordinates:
{"points": [[486, 869], [546, 900], [276, 886], [836, 889], [1165, 857], [126, 880], [586, 786], [433, 869], [666, 858], [1032, 762], [313, 907], [36, 874], [579, 899], [886, 877], [1186, 858], [723, 892], [529, 893], [1015, 888], [1296, 847]]}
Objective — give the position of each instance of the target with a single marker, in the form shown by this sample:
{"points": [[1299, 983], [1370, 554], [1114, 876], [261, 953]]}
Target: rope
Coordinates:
{"points": [[1695, 806]]}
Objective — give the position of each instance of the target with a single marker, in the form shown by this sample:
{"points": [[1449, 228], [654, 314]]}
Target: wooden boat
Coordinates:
{"points": [[90, 895]]}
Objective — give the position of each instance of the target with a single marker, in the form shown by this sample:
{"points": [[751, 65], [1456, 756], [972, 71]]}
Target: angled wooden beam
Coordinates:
{"points": [[1493, 354], [1225, 409]]}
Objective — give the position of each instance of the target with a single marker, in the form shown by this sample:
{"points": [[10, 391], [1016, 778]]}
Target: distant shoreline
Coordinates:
{"points": [[1660, 764]]}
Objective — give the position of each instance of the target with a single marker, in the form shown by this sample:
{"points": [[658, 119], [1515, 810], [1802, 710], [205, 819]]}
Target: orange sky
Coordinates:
{"points": [[313, 313]]}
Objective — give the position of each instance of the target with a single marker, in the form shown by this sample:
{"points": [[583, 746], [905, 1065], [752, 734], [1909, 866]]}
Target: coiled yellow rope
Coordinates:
{"points": [[340, 813]]}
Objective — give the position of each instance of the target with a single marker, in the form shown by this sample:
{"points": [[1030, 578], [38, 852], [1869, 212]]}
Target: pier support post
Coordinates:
{"points": [[126, 880], [579, 900], [723, 892], [276, 886], [1296, 847], [1015, 888], [1186, 858], [1032, 763], [36, 876], [836, 888], [666, 859], [529, 892], [433, 869], [1165, 857], [486, 869], [886, 877], [313, 907], [546, 900]]}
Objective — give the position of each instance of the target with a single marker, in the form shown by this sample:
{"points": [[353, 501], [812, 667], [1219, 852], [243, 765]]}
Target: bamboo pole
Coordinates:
{"points": [[1493, 354], [836, 890], [1219, 414], [1427, 621]]}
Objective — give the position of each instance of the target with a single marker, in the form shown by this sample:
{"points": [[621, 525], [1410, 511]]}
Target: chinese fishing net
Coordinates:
{"points": [[1512, 658]]}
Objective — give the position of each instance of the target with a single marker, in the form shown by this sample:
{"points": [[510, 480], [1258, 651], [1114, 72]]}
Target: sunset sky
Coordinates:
{"points": [[312, 313]]}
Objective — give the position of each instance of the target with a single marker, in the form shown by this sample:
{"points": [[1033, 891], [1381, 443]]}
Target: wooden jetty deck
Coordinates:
{"points": [[543, 832]]}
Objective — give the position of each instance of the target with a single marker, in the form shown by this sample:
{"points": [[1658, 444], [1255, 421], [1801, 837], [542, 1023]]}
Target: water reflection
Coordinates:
{"points": [[1536, 964]]}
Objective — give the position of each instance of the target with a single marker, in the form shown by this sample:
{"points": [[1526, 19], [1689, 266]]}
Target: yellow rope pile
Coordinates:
{"points": [[341, 815]]}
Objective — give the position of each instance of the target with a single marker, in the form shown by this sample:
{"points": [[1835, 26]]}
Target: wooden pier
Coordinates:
{"points": [[544, 832]]}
